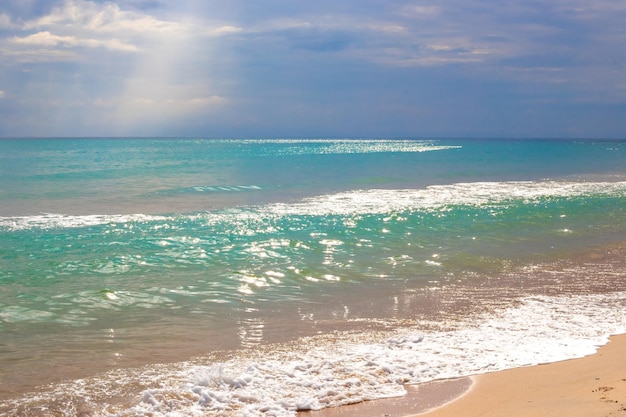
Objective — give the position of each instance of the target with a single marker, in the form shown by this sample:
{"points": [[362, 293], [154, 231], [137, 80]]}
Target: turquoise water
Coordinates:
{"points": [[122, 253]]}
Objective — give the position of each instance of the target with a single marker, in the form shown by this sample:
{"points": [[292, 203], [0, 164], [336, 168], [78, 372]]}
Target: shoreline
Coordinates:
{"points": [[591, 386], [420, 398]]}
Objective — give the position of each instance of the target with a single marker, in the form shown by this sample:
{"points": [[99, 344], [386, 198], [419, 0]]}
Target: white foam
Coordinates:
{"points": [[353, 203], [541, 329], [58, 221], [381, 201]]}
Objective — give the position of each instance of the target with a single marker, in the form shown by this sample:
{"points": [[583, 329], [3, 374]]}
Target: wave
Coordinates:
{"points": [[347, 372], [440, 196], [328, 371], [61, 221], [346, 146], [358, 202], [222, 188]]}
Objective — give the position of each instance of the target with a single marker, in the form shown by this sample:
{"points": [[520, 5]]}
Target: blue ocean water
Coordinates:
{"points": [[235, 260]]}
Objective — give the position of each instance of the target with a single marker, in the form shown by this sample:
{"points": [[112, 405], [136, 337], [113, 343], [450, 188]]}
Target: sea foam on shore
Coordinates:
{"points": [[324, 371]]}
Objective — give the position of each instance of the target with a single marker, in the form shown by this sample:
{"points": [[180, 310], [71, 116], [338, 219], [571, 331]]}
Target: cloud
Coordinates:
{"points": [[403, 36], [75, 24], [38, 55], [155, 114], [420, 11], [156, 106], [2, 94], [365, 64], [108, 17], [5, 21], [48, 39], [224, 30], [73, 51]]}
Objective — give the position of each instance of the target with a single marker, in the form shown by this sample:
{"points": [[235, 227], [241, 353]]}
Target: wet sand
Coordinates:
{"points": [[593, 386], [419, 398]]}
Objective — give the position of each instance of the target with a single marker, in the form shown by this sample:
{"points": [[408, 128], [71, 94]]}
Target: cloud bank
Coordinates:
{"points": [[277, 68]]}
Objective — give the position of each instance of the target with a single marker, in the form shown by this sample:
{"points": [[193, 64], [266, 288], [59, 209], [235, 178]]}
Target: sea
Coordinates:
{"points": [[264, 277]]}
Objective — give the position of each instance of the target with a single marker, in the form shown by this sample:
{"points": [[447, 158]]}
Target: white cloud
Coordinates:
{"points": [[48, 39], [35, 55], [224, 30], [75, 24], [421, 10], [107, 17], [2, 94], [42, 38]]}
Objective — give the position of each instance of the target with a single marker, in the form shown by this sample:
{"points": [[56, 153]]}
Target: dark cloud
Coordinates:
{"points": [[319, 40]]}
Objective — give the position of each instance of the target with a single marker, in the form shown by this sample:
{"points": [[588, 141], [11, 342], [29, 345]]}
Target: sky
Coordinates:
{"points": [[322, 68]]}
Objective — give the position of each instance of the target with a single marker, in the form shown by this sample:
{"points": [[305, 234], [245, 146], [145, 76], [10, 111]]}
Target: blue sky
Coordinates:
{"points": [[324, 68]]}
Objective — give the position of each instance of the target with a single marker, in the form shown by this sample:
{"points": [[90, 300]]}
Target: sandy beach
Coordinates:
{"points": [[593, 386]]}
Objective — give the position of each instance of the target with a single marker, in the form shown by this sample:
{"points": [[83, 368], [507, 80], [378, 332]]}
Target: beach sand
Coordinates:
{"points": [[593, 386]]}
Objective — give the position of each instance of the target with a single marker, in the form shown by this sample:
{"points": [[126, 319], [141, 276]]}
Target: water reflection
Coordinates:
{"points": [[250, 330]]}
